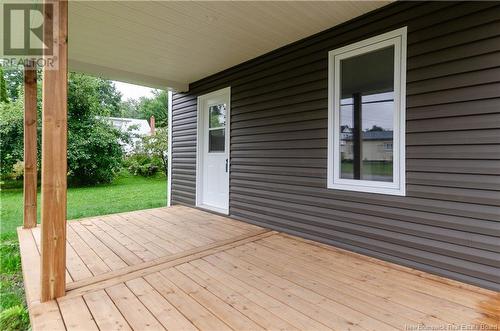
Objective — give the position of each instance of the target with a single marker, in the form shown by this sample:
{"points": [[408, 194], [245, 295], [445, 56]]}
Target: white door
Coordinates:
{"points": [[212, 189]]}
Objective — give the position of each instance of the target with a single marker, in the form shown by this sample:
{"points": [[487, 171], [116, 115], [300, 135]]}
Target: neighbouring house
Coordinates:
{"points": [[375, 154], [137, 128], [371, 130], [376, 146]]}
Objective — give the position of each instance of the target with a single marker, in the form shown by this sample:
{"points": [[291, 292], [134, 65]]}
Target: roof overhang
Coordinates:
{"points": [[169, 44]]}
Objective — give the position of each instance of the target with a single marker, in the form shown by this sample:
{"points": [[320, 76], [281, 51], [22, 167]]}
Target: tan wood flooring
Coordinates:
{"points": [[180, 268]]}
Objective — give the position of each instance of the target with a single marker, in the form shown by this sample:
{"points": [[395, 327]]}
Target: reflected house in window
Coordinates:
{"points": [[377, 155], [377, 146], [367, 137]]}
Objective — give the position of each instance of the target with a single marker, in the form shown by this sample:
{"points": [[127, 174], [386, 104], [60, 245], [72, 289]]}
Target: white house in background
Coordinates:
{"points": [[139, 128]]}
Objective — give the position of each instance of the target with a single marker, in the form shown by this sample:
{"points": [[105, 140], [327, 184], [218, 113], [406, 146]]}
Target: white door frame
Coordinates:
{"points": [[200, 135]]}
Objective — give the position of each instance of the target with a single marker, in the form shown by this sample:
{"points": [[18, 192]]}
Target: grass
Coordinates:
{"points": [[126, 193], [14, 315], [375, 168]]}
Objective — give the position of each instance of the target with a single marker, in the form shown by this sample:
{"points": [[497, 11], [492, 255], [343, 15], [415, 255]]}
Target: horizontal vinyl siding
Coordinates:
{"points": [[449, 222], [184, 150]]}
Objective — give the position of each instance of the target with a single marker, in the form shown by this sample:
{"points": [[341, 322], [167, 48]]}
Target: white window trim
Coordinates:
{"points": [[398, 186]]}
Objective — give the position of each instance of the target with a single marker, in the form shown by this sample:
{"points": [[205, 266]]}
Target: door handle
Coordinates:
{"points": [[226, 165]]}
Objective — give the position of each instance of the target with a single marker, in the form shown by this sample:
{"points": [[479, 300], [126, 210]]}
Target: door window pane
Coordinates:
{"points": [[217, 116], [216, 140], [367, 116]]}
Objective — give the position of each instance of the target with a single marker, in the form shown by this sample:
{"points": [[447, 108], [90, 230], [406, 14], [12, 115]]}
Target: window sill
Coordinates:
{"points": [[368, 188]]}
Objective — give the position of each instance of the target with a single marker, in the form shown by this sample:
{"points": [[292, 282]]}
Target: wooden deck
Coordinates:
{"points": [[179, 268]]}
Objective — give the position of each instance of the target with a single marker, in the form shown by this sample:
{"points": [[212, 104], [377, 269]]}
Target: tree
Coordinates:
{"points": [[3, 88], [156, 106], [375, 128], [129, 108], [14, 79], [94, 151], [146, 107], [109, 97]]}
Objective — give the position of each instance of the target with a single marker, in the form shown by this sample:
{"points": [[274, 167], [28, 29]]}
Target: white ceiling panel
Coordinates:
{"points": [[169, 44]]}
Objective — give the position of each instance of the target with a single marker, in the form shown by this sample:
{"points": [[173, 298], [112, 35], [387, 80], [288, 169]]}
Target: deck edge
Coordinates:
{"points": [[30, 264]]}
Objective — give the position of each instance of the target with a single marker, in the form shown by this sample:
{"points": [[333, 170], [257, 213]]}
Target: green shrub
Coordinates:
{"points": [[94, 152], [18, 170], [143, 164], [14, 318], [157, 146], [11, 135]]}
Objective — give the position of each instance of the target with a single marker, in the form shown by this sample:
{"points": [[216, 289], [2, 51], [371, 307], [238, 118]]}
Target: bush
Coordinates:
{"points": [[94, 153], [18, 170], [156, 146], [149, 155], [143, 164], [11, 135]]}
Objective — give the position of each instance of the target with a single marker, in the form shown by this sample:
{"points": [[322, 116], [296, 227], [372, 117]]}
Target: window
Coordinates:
{"points": [[388, 146], [217, 128], [366, 115]]}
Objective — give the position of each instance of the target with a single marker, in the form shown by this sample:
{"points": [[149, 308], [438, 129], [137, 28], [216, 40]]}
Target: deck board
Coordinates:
{"points": [[345, 263], [76, 314], [104, 311], [251, 309], [180, 268], [368, 281], [163, 310], [93, 262], [223, 310]]}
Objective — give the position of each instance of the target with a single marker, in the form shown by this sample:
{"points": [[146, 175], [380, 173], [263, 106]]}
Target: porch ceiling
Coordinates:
{"points": [[171, 44]]}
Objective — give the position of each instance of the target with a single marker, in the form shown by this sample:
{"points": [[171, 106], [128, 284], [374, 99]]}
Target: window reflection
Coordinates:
{"points": [[216, 128], [216, 140], [217, 115], [367, 116]]}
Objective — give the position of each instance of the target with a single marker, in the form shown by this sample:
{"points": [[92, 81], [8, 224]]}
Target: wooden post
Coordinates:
{"points": [[30, 148], [54, 156]]}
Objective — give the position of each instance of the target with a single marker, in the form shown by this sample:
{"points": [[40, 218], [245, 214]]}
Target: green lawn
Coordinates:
{"points": [[380, 169], [126, 193]]}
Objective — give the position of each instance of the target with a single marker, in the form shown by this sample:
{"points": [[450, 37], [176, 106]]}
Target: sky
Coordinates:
{"points": [[379, 112], [130, 91]]}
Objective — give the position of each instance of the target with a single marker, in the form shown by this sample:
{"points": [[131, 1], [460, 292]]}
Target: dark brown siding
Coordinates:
{"points": [[449, 222]]}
